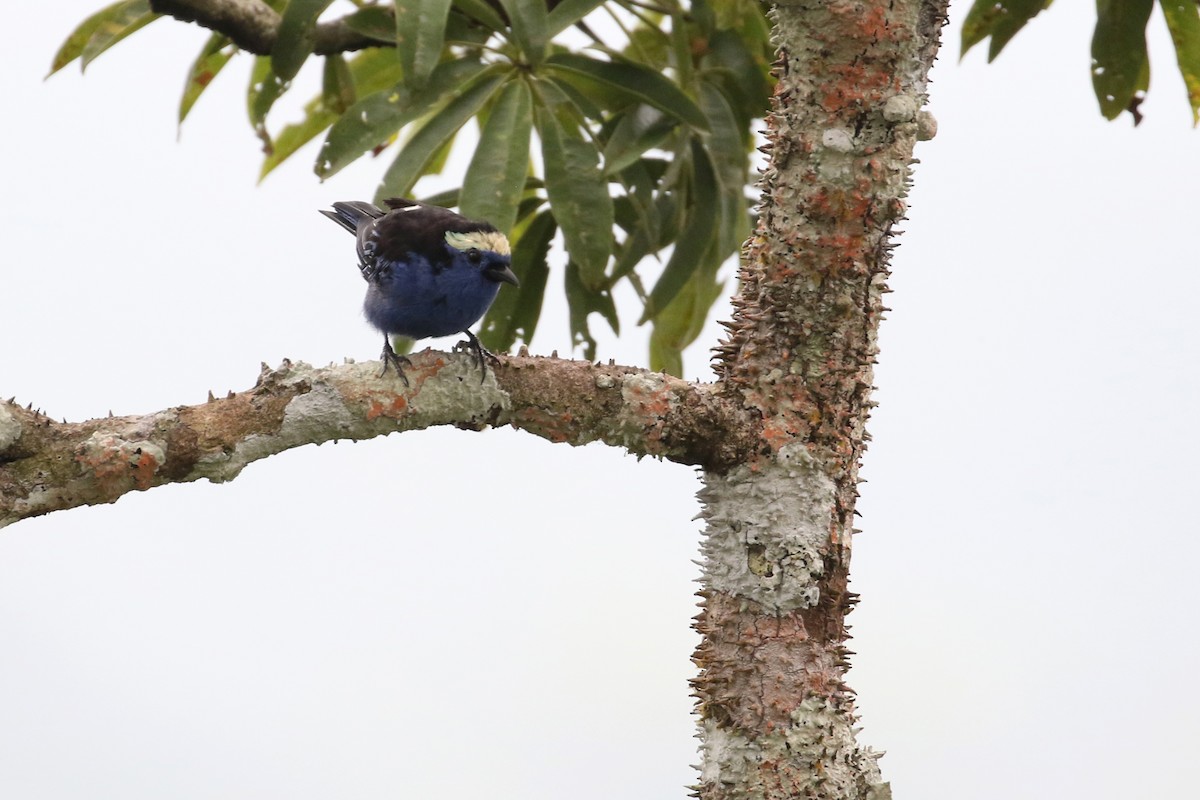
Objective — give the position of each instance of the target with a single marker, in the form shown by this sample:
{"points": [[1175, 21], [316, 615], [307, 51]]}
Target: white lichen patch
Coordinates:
{"points": [[10, 428], [900, 108], [316, 410], [440, 392], [815, 756], [725, 751], [307, 418], [767, 530], [839, 140]]}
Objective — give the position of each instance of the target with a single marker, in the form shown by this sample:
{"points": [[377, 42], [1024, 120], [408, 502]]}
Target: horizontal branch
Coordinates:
{"points": [[48, 466], [253, 25]]}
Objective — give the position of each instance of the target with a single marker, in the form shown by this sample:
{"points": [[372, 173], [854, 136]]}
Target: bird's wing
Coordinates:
{"points": [[359, 218]]}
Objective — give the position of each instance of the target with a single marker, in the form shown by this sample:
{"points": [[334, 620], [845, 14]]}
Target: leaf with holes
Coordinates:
{"points": [[1120, 67]]}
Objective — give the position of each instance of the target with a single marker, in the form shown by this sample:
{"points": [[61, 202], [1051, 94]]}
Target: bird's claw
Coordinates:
{"points": [[481, 354], [390, 356]]}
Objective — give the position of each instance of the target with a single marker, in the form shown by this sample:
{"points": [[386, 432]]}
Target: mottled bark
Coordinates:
{"points": [[48, 466], [776, 717]]}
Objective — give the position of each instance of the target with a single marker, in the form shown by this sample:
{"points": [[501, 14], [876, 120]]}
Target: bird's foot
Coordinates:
{"points": [[390, 356], [481, 354]]}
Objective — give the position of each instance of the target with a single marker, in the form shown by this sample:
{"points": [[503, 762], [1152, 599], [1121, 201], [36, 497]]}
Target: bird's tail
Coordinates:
{"points": [[351, 215]]}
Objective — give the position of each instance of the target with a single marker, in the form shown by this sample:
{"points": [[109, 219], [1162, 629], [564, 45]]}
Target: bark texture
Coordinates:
{"points": [[48, 466], [776, 717]]}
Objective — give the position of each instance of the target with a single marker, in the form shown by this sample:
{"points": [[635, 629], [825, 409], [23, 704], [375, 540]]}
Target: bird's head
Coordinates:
{"points": [[488, 250]]}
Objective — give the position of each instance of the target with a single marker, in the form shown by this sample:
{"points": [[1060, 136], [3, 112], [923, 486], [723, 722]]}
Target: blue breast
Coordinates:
{"points": [[414, 299]]}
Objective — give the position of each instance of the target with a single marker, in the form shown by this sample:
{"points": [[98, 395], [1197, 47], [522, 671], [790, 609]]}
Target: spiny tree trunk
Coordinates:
{"points": [[776, 717]]}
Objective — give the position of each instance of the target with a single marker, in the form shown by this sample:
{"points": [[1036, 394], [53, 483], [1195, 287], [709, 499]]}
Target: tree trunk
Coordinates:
{"points": [[776, 717]]}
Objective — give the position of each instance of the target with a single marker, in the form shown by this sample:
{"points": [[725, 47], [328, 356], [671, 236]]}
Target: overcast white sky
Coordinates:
{"points": [[448, 614]]}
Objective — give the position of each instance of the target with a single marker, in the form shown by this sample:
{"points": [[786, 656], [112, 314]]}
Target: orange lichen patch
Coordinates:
{"points": [[114, 462], [776, 434], [853, 86], [845, 207], [144, 469], [104, 459], [425, 372], [872, 23], [393, 408], [653, 401], [843, 252]]}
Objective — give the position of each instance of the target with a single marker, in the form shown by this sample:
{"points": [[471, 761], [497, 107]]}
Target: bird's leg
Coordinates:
{"points": [[482, 354], [390, 356]]}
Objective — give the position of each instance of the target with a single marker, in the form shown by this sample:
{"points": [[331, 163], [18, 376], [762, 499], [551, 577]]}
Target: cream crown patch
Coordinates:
{"points": [[494, 241]]}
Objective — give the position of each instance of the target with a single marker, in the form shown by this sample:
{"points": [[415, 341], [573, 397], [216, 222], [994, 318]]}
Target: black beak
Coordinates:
{"points": [[498, 273]]}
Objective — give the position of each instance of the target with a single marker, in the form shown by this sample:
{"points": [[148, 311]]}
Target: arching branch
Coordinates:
{"points": [[48, 466]]}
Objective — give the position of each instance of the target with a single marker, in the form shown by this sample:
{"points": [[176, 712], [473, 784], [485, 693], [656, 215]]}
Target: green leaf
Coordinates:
{"points": [[581, 303], [1120, 67], [495, 179], [420, 34], [557, 90], [694, 240], [1000, 20], [482, 13], [377, 117], [1183, 20], [682, 321], [515, 313], [419, 152], [530, 27], [373, 70], [742, 69], [74, 44], [265, 88], [727, 150], [337, 85], [638, 129], [636, 82], [127, 18], [208, 64], [726, 144], [297, 32], [578, 194], [374, 22], [567, 13]]}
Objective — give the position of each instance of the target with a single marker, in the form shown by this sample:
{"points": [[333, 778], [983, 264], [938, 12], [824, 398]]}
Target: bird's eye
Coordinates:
{"points": [[474, 256]]}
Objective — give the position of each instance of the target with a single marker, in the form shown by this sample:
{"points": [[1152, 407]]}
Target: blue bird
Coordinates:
{"points": [[429, 272]]}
